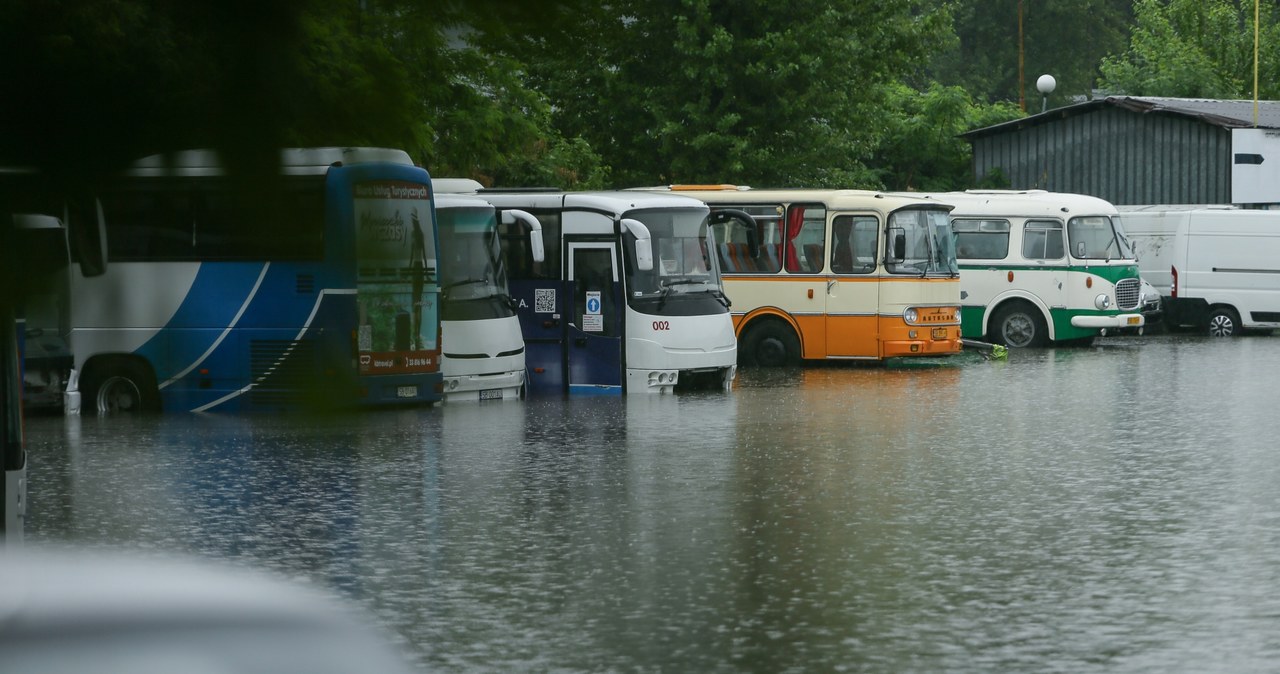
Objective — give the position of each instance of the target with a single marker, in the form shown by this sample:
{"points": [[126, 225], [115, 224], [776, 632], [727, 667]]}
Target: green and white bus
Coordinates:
{"points": [[1040, 267]]}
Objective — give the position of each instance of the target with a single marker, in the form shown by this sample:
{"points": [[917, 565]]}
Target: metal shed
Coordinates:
{"points": [[1125, 149]]}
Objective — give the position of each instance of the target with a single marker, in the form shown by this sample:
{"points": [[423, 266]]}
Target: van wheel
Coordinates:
{"points": [[1224, 322], [771, 345], [1019, 326], [120, 387]]}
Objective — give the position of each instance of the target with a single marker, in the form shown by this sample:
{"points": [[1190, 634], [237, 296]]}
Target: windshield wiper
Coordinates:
{"points": [[464, 282]]}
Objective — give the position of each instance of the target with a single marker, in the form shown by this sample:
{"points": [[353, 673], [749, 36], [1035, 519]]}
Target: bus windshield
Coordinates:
{"points": [[470, 267], [681, 265], [1094, 238], [927, 244], [397, 262]]}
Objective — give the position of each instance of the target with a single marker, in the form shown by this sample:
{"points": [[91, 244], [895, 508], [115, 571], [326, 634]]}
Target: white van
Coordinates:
{"points": [[1217, 267]]}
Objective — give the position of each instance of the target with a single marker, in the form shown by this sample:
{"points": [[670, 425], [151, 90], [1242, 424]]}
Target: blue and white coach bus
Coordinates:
{"points": [[628, 298], [316, 285]]}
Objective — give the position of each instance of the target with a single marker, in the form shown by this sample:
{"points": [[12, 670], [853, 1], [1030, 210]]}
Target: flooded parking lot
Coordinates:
{"points": [[1108, 509]]}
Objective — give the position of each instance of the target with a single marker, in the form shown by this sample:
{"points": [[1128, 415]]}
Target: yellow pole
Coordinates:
{"points": [[1022, 86]]}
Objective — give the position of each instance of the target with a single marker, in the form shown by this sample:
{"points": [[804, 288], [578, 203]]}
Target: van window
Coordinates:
{"points": [[981, 239]]}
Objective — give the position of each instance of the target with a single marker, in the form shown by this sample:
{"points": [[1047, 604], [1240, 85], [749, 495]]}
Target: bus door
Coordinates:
{"points": [[853, 295], [593, 331]]}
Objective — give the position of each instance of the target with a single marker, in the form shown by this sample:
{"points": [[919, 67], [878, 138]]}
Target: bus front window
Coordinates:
{"points": [[470, 267], [1094, 238], [920, 242], [683, 260]]}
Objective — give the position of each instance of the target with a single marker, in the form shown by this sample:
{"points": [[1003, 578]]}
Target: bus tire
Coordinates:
{"points": [[1019, 325], [771, 344], [1224, 322], [119, 386]]}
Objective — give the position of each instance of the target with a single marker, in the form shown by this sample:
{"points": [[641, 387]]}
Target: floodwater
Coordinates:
{"points": [[1105, 509]]}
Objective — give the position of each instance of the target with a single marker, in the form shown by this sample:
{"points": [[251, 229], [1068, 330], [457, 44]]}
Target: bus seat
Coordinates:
{"points": [[726, 259], [770, 258], [813, 257]]}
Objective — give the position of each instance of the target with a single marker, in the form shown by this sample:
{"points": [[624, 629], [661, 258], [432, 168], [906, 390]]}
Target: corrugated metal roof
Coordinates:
{"points": [[1227, 114]]}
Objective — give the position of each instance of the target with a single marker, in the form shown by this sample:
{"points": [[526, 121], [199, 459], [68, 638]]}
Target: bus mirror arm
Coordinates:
{"points": [[644, 247], [87, 227], [536, 246], [748, 223]]}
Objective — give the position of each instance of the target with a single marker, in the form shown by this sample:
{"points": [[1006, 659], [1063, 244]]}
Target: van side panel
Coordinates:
{"points": [[1223, 257]]}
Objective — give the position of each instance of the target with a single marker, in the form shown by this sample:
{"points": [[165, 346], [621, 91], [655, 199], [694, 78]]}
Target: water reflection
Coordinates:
{"points": [[1101, 509]]}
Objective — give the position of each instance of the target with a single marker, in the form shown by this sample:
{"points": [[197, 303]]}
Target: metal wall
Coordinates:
{"points": [[1121, 156]]}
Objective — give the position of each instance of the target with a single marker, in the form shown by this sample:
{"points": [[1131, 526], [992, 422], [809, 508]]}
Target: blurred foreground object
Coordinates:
{"points": [[90, 611]]}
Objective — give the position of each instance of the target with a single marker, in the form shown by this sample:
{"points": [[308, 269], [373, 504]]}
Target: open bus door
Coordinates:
{"points": [[593, 336]]}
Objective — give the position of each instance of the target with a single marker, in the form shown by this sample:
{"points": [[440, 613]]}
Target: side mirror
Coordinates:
{"points": [[87, 230], [899, 247], [536, 246], [644, 246]]}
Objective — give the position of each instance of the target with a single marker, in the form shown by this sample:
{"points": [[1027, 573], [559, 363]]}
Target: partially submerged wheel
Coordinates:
{"points": [[1018, 326], [770, 344], [1224, 322], [119, 387]]}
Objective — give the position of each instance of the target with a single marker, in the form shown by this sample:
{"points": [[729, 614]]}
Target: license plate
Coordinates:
{"points": [[406, 391], [939, 333], [1133, 320], [491, 394]]}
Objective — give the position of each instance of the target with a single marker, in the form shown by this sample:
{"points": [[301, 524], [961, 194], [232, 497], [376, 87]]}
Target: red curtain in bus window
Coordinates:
{"points": [[795, 221]]}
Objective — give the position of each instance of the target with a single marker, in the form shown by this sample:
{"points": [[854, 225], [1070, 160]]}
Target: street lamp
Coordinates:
{"points": [[1045, 85]]}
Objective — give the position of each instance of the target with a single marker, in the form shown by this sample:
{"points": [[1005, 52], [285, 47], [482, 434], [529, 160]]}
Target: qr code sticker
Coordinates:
{"points": [[544, 300]]}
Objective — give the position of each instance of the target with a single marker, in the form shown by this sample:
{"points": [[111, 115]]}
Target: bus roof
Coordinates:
{"points": [[833, 198], [460, 200], [1021, 203], [616, 202], [300, 161]]}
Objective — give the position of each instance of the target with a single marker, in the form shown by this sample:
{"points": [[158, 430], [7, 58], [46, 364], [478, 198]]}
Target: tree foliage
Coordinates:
{"points": [[716, 91], [922, 149], [578, 94], [1063, 38], [1197, 49]]}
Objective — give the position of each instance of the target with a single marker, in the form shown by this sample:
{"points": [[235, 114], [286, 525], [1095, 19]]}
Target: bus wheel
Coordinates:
{"points": [[1224, 322], [120, 387], [771, 345], [1019, 326]]}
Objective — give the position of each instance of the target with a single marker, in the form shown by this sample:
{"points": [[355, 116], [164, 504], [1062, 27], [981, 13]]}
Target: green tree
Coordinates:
{"points": [[720, 91], [1064, 38], [476, 115], [922, 149], [94, 84], [1197, 48]]}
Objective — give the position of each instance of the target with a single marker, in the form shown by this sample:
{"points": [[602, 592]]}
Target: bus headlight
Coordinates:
{"points": [[910, 315], [1103, 302]]}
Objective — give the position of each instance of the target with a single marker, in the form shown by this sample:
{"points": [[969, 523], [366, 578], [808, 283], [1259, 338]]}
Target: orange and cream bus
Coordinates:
{"points": [[834, 274]]}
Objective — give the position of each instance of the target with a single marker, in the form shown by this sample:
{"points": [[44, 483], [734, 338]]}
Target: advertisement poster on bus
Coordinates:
{"points": [[397, 283]]}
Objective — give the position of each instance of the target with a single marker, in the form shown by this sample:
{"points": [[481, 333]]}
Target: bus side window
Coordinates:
{"points": [[518, 257]]}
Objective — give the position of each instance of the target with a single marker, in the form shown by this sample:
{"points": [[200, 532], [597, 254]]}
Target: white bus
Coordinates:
{"points": [[1038, 267], [484, 353], [1218, 267], [627, 300], [834, 274]]}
